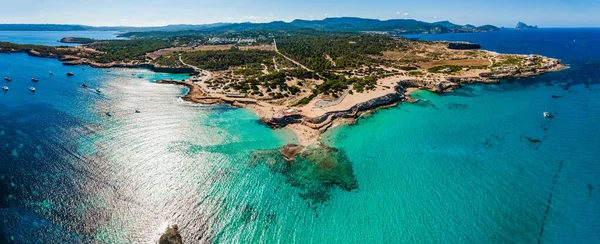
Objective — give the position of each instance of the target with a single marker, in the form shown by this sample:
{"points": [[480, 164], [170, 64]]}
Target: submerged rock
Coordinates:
{"points": [[456, 106], [289, 151], [315, 170], [171, 236]]}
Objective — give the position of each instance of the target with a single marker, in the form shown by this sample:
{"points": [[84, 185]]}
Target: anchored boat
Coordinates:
{"points": [[7, 78], [5, 88], [32, 89], [34, 80], [70, 74]]}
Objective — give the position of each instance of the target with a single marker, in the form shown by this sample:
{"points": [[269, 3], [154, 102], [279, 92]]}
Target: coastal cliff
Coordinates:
{"points": [[327, 119]]}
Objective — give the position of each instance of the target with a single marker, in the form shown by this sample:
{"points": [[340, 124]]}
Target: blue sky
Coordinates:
{"points": [[545, 13]]}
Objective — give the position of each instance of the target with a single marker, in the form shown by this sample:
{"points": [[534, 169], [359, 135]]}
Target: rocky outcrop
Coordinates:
{"points": [[324, 121], [463, 45], [279, 122], [171, 236], [77, 40], [523, 26], [290, 151]]}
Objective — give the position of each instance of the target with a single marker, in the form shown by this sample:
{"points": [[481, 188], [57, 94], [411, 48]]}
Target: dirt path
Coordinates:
{"points": [[330, 60], [291, 60], [275, 64], [205, 73]]}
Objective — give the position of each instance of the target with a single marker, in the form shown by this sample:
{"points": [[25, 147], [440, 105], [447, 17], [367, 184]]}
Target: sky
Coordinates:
{"points": [[544, 13]]}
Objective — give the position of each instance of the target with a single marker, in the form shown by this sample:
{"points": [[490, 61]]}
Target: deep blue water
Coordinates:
{"points": [[51, 38], [479, 165]]}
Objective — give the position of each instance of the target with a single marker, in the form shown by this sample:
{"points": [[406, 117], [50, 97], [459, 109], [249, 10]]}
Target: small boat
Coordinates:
{"points": [[548, 115], [108, 114], [32, 89], [98, 90], [70, 74], [50, 73], [34, 80], [140, 76], [7, 78], [137, 111], [84, 85], [5, 88]]}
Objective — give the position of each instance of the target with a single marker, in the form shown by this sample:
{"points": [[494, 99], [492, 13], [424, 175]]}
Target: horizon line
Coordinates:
{"points": [[272, 21]]}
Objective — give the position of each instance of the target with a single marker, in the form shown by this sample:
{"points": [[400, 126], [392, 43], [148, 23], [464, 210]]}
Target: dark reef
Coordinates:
{"points": [[315, 171]]}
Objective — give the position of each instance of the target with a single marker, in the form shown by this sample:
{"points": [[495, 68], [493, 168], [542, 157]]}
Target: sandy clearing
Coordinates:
{"points": [[460, 62]]}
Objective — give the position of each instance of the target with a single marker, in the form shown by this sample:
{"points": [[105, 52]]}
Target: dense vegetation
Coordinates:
{"points": [[345, 50], [222, 60], [335, 85], [44, 50], [127, 50]]}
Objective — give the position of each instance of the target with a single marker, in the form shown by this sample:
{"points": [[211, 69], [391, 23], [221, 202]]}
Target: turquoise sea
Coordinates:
{"points": [[479, 165]]}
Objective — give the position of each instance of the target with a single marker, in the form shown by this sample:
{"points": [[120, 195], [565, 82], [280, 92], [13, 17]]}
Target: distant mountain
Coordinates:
{"points": [[523, 26], [351, 24], [342, 24], [42, 27]]}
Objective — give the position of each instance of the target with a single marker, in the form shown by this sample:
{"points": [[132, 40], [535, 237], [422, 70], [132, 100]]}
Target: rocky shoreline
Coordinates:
{"points": [[309, 128], [75, 61], [163, 69]]}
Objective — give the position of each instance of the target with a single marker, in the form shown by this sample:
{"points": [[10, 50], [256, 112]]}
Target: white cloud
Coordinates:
{"points": [[270, 17], [435, 17], [406, 14]]}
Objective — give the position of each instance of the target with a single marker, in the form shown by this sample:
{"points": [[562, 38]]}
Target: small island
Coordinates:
{"points": [[77, 40], [523, 26]]}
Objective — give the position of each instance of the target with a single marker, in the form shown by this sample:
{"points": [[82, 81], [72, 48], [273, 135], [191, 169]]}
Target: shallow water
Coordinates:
{"points": [[478, 165]]}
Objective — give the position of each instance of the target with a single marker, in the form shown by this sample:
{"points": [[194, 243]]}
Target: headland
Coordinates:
{"points": [[306, 81]]}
